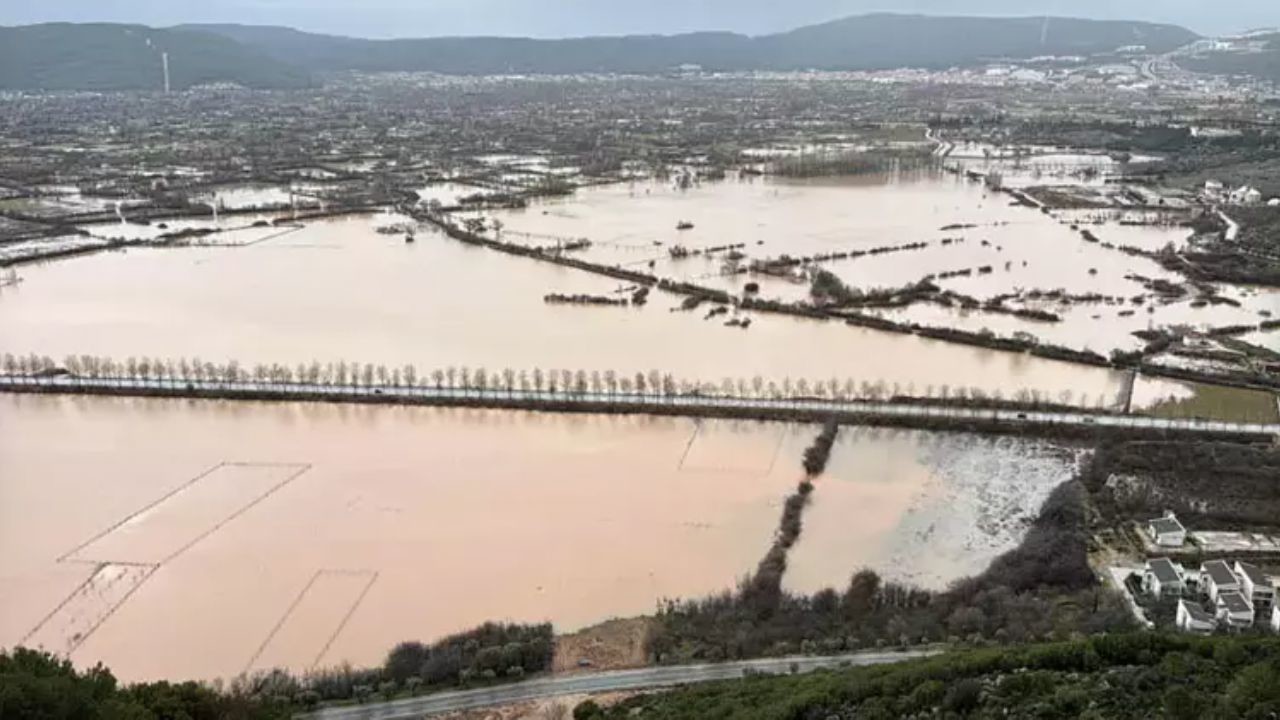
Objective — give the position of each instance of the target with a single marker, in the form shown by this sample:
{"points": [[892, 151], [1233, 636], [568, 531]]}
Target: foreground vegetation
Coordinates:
{"points": [[1211, 485], [1108, 676], [38, 685], [35, 685], [1044, 589]]}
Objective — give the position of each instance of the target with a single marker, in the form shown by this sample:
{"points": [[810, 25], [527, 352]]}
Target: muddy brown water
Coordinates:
{"points": [[633, 224], [135, 532], [338, 290]]}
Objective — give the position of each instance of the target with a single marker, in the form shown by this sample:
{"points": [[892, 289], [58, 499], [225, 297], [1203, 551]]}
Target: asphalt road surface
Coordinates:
{"points": [[642, 679], [617, 401]]}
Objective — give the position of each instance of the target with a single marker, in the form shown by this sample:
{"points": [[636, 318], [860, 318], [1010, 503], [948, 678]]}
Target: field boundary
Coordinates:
{"points": [[916, 414]]}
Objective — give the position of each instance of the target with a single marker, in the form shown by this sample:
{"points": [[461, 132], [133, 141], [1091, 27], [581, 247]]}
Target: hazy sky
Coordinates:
{"points": [[560, 18]]}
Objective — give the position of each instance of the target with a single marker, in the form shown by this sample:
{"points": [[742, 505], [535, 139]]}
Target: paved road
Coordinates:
{"points": [[646, 678], [587, 401]]}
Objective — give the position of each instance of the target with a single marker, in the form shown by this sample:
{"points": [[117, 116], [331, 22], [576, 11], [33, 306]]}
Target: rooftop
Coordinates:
{"points": [[1255, 574], [1219, 572], [1196, 613], [1166, 525], [1164, 570], [1234, 602]]}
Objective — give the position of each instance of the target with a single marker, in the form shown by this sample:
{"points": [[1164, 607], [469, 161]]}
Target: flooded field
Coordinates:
{"points": [[132, 531], [979, 244], [339, 290], [1164, 398], [921, 508]]}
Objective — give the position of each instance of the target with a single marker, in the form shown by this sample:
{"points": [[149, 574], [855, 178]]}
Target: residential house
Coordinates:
{"points": [[1163, 578], [1167, 531], [1193, 619], [1234, 610], [1216, 578], [1257, 586], [1245, 195]]}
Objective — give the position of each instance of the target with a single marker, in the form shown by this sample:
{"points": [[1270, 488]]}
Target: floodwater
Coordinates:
{"points": [[237, 197], [921, 508], [338, 290], [134, 530], [635, 225]]}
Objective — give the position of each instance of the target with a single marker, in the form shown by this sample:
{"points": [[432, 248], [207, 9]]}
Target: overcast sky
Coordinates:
{"points": [[563, 18]]}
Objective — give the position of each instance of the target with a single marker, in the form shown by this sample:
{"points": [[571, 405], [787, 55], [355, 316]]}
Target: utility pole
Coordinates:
{"points": [[164, 57]]}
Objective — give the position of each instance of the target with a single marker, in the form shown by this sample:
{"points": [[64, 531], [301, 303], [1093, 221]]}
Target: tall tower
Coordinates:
{"points": [[164, 57]]}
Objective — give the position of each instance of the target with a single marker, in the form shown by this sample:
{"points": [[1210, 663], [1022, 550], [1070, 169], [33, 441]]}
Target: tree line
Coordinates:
{"points": [[762, 591], [1042, 590], [169, 372], [37, 685]]}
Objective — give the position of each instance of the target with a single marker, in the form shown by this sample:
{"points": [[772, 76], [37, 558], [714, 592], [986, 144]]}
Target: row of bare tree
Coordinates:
{"points": [[353, 374]]}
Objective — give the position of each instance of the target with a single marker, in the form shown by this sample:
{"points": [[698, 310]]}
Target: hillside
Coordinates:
{"points": [[1107, 676], [884, 41], [1263, 64], [64, 56], [858, 43]]}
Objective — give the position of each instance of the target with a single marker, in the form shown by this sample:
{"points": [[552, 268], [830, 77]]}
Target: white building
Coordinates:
{"points": [[1192, 619], [1245, 195], [1167, 531], [1213, 188], [1234, 610], [1257, 587], [1275, 618], [1217, 578], [1163, 578]]}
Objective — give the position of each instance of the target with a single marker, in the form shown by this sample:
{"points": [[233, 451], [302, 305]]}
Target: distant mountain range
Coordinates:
{"points": [[65, 56], [866, 42]]}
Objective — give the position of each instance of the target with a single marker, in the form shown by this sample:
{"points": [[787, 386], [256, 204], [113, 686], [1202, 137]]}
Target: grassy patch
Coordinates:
{"points": [[1218, 402]]}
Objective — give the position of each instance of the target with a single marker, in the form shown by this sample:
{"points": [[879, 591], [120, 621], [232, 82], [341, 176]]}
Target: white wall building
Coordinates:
{"points": [[1217, 578], [1167, 531], [1257, 587], [1163, 578], [1234, 610], [1192, 619]]}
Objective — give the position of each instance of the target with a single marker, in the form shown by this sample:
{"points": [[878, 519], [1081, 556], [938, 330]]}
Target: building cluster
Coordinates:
{"points": [[1215, 191], [1220, 594]]}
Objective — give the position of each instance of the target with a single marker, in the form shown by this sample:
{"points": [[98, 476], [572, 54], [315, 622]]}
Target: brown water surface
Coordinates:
{"points": [[339, 290], [132, 531]]}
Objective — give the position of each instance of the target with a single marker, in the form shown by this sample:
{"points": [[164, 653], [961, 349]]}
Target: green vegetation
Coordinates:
{"points": [[64, 56], [489, 652], [1210, 485], [1042, 589], [763, 591], [1221, 403], [38, 686], [1108, 676]]}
